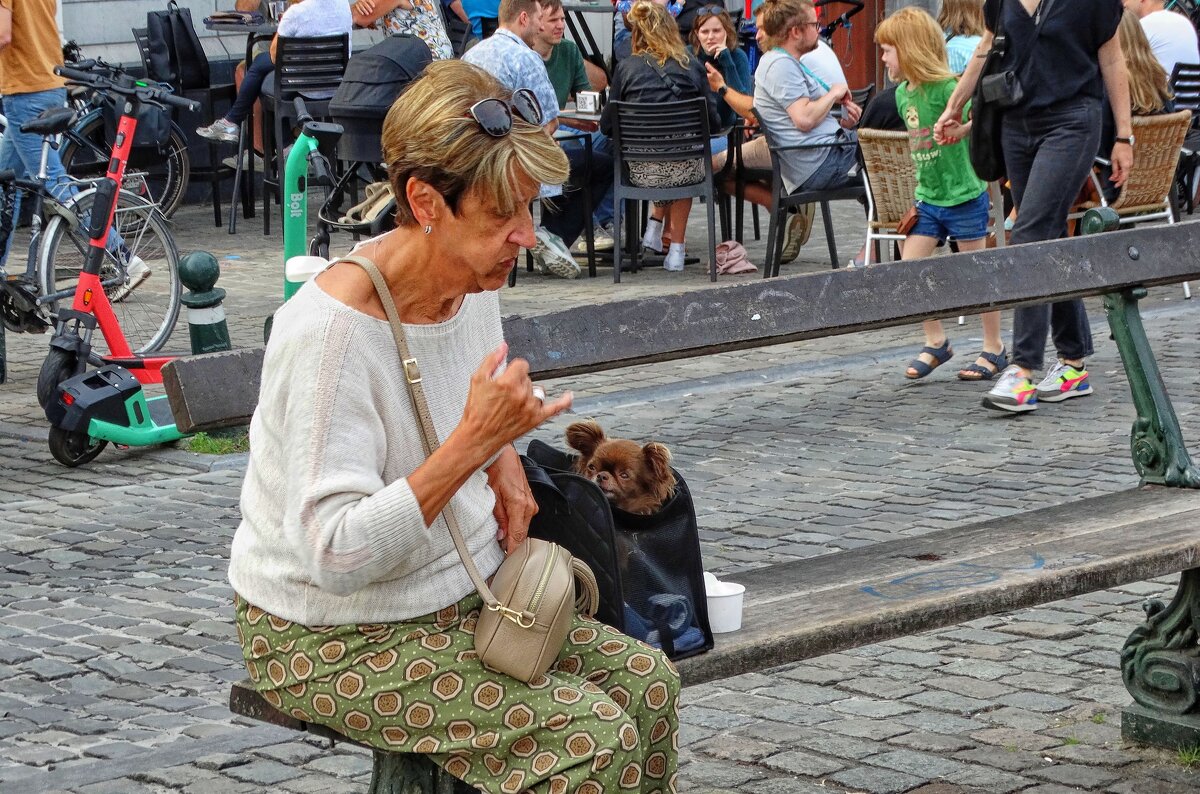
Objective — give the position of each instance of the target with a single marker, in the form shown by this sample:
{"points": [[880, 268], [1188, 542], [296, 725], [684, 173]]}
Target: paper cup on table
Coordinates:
{"points": [[300, 269], [724, 605]]}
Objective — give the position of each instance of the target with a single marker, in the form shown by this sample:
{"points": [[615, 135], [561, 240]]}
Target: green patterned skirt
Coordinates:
{"points": [[604, 718]]}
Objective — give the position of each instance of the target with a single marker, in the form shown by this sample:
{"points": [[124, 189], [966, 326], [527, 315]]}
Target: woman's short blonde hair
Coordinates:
{"points": [[655, 33], [920, 46], [962, 17], [429, 135]]}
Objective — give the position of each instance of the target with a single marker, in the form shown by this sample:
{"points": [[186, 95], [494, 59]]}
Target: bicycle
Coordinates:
{"points": [[159, 174], [56, 247]]}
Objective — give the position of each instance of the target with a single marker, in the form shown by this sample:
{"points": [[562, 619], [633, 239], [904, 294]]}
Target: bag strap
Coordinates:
{"points": [[1043, 13], [665, 78], [416, 393]]}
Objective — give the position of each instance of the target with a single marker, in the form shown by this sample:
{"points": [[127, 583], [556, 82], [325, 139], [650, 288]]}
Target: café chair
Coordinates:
{"points": [[1147, 192], [782, 201], [659, 132], [305, 66], [890, 181]]}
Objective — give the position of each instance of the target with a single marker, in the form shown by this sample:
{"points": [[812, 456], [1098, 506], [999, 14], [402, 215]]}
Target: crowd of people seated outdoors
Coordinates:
{"points": [[798, 90]]}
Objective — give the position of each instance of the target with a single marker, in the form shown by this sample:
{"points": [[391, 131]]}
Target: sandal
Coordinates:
{"points": [[940, 356], [976, 371]]}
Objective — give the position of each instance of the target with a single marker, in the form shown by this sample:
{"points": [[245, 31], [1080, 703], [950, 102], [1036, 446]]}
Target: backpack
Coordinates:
{"points": [[175, 55], [647, 567]]}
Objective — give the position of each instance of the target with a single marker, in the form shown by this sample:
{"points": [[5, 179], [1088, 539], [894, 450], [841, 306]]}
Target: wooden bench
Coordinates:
{"points": [[811, 607]]}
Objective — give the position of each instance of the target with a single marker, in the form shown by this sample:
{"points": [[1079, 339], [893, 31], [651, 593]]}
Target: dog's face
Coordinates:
{"points": [[637, 479]]}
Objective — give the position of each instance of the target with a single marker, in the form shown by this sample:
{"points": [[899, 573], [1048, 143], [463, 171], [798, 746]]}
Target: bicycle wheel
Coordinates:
{"points": [[147, 313], [160, 177]]}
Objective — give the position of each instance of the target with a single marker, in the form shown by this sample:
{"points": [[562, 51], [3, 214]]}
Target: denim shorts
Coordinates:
{"points": [[966, 221]]}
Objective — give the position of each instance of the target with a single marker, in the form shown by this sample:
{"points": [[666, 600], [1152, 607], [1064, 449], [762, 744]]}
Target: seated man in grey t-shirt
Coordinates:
{"points": [[795, 108]]}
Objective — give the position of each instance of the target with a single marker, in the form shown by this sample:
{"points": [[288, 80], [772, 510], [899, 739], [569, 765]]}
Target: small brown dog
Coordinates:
{"points": [[636, 479]]}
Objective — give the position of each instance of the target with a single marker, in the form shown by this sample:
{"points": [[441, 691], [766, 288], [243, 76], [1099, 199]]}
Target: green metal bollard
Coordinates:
{"points": [[206, 317]]}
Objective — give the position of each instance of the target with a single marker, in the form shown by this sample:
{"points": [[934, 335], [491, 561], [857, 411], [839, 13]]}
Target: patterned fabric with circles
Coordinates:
{"points": [[604, 718]]}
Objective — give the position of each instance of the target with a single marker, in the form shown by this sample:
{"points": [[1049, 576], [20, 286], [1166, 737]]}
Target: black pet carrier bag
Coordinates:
{"points": [[648, 567]]}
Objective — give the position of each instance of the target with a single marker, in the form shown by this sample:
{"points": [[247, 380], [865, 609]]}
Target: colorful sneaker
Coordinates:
{"points": [[219, 130], [796, 234], [1063, 382], [1014, 393], [552, 255]]}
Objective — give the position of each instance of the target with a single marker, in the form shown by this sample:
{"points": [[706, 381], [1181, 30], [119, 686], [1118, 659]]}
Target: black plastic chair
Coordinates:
{"points": [[656, 132], [1185, 85], [782, 200], [210, 98], [308, 67]]}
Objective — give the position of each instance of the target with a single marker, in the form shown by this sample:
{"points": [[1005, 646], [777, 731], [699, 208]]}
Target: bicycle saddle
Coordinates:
{"points": [[50, 122]]}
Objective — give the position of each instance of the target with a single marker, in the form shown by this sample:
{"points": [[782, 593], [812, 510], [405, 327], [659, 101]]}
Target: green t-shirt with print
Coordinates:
{"points": [[567, 75], [945, 177]]}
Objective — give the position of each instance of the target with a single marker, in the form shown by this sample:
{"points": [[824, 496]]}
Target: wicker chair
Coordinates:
{"points": [[1146, 194], [891, 182]]}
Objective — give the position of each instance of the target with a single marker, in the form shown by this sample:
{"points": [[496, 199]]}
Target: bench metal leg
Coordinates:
{"points": [[402, 773], [1160, 664], [1159, 453]]}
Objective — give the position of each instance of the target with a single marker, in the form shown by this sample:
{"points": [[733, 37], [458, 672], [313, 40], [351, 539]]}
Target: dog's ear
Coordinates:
{"points": [[585, 437], [658, 463]]}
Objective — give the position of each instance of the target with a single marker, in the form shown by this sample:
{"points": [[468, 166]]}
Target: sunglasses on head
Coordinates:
{"points": [[710, 11], [495, 116]]}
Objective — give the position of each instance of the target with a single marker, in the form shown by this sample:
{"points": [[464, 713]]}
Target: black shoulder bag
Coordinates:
{"points": [[175, 53], [997, 90]]}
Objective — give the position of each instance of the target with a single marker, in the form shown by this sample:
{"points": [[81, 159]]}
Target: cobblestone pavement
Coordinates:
{"points": [[117, 645]]}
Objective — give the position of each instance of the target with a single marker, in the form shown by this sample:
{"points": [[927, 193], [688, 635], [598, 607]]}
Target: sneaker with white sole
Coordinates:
{"points": [[602, 240], [136, 271], [796, 234], [219, 130], [1063, 382], [1014, 392], [553, 256]]}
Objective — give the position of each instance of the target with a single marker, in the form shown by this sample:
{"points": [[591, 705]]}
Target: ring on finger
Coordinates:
{"points": [[539, 394]]}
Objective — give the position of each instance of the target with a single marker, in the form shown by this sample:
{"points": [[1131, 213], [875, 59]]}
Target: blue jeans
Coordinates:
{"points": [[963, 222], [564, 215], [22, 152], [834, 170], [1048, 157], [248, 94]]}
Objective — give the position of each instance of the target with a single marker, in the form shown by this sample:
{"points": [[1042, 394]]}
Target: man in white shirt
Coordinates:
{"points": [[1171, 35]]}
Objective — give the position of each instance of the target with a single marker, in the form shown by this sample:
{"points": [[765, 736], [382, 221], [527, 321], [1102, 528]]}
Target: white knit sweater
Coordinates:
{"points": [[331, 532]]}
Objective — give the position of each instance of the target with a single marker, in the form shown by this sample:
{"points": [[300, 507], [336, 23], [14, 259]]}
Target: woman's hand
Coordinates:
{"points": [[501, 406], [948, 129], [365, 7], [515, 505], [1122, 160]]}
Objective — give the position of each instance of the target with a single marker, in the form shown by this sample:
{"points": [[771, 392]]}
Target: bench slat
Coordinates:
{"points": [[221, 389], [832, 302], [807, 608]]}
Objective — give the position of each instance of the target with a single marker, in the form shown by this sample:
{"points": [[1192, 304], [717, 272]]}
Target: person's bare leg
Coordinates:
{"points": [[992, 343], [917, 246], [677, 217]]}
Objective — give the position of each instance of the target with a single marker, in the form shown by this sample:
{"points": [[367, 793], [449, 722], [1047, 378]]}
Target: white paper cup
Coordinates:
{"points": [[725, 606], [300, 269]]}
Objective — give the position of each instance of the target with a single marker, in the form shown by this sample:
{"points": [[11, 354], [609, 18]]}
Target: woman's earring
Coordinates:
{"points": [[428, 229]]}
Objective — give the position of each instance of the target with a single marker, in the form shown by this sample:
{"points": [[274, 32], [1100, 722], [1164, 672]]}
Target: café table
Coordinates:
{"points": [[255, 34]]}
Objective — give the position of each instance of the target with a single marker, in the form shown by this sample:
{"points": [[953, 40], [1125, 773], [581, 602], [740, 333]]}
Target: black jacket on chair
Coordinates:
{"points": [[639, 78]]}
